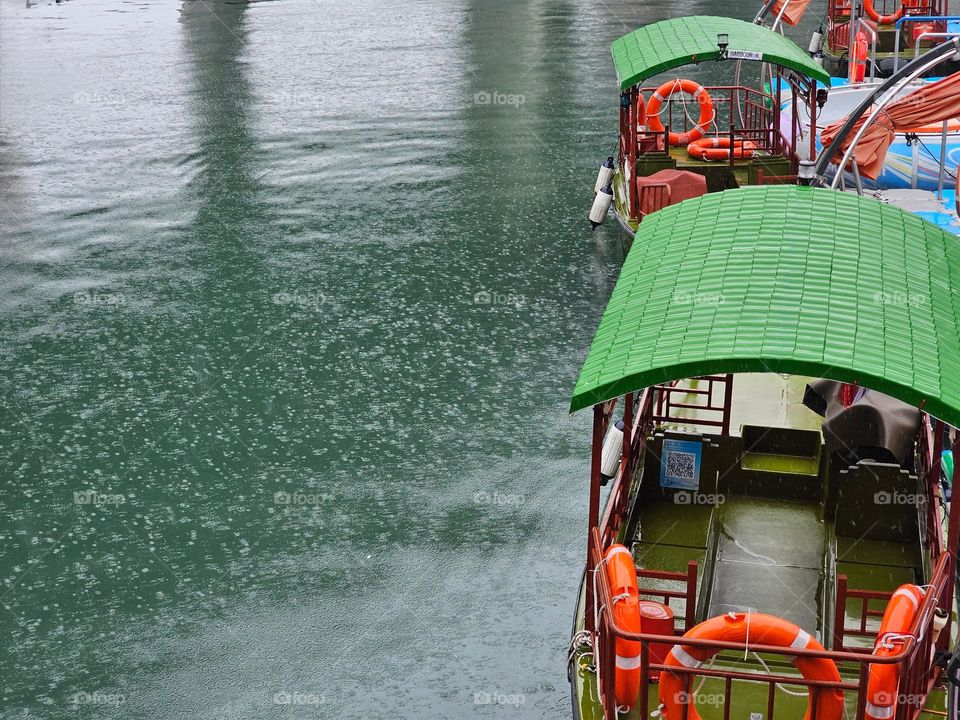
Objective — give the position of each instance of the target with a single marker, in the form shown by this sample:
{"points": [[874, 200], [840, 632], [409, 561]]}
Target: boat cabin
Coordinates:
{"points": [[775, 384], [679, 139]]}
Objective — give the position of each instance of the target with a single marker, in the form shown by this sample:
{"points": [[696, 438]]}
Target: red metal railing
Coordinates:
{"points": [[667, 407], [635, 431], [688, 594], [838, 19], [917, 673], [744, 111], [840, 630], [917, 676], [764, 179], [928, 447]]}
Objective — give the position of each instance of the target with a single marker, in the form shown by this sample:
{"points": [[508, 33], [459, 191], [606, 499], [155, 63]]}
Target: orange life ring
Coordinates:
{"points": [[703, 99], [718, 148], [883, 685], [751, 628], [622, 574], [859, 58], [877, 17]]}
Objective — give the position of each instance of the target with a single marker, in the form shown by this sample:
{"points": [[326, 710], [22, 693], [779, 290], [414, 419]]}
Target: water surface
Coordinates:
{"points": [[292, 299]]}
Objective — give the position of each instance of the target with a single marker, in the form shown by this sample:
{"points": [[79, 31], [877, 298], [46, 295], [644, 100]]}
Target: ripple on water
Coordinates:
{"points": [[274, 278]]}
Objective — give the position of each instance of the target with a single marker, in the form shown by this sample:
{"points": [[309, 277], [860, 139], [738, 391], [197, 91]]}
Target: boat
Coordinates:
{"points": [[884, 35], [913, 159], [775, 391], [679, 139], [864, 140]]}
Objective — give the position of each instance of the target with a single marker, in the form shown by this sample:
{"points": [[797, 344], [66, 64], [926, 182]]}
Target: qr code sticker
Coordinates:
{"points": [[681, 465]]}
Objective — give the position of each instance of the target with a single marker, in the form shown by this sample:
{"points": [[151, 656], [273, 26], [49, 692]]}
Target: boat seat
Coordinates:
{"points": [[878, 501], [874, 565], [781, 450]]}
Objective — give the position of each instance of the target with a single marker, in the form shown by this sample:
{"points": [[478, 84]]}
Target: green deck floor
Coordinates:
{"points": [[770, 560]]}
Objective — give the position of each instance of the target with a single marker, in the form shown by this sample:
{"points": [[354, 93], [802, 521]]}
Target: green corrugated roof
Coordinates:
{"points": [[784, 279], [682, 41]]}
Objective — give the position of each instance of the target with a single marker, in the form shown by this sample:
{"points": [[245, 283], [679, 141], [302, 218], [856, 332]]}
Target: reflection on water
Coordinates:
{"points": [[293, 297]]}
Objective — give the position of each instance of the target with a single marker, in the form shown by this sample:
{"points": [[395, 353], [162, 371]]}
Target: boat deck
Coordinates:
{"points": [[770, 555], [747, 700], [941, 212], [761, 554], [740, 168]]}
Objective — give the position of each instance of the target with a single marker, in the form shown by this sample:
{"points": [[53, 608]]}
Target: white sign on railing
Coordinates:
{"points": [[744, 55]]}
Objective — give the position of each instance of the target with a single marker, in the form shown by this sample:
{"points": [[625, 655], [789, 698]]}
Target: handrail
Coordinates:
{"points": [[929, 444], [761, 118], [616, 503], [912, 674], [921, 36], [914, 18], [665, 403], [924, 615], [779, 17]]}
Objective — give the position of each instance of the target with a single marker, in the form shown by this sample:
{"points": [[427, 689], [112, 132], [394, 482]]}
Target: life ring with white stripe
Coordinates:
{"points": [[622, 575], [718, 148], [883, 684], [655, 105], [753, 629], [859, 58], [879, 19]]}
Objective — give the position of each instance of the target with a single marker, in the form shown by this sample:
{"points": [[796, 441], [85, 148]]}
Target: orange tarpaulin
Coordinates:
{"points": [[794, 11], [930, 104]]}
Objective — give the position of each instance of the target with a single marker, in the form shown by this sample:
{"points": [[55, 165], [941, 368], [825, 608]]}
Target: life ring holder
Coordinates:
{"points": [[883, 682]]}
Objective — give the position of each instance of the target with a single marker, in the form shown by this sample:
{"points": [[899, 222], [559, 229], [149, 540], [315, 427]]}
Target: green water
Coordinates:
{"points": [[286, 247]]}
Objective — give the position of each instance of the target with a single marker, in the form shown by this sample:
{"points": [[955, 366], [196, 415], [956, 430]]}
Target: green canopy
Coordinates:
{"points": [[671, 43], [785, 279]]}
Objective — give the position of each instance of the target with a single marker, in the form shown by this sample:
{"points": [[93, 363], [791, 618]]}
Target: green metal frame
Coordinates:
{"points": [[785, 279], [661, 46]]}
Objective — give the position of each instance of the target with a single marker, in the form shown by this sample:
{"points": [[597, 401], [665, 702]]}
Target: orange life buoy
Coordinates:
{"points": [[622, 574], [718, 148], [883, 685], [751, 628], [859, 58], [877, 17], [703, 99]]}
